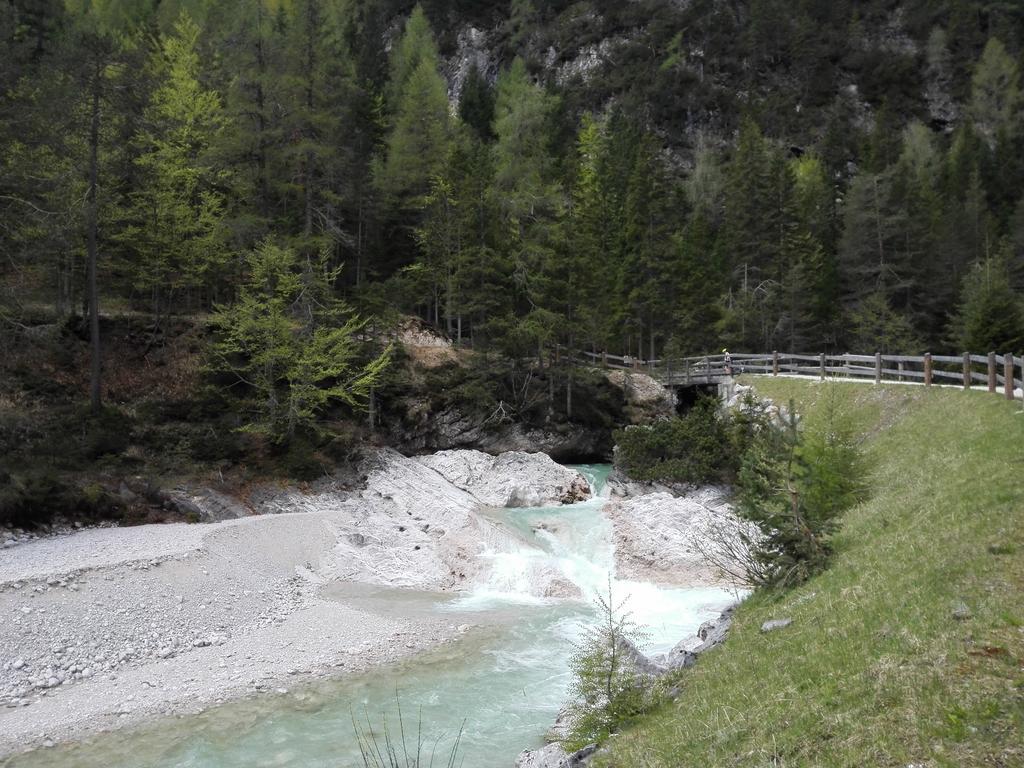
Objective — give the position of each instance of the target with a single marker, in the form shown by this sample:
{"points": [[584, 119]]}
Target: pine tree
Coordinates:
{"points": [[697, 309], [476, 104], [593, 242], [649, 269], [251, 49], [314, 88], [757, 215]]}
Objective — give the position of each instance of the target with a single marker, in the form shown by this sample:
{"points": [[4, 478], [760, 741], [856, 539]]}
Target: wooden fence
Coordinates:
{"points": [[999, 373]]}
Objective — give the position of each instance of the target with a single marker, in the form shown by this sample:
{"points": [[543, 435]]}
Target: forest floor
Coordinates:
{"points": [[909, 650]]}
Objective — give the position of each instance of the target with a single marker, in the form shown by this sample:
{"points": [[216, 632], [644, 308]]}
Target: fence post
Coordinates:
{"points": [[878, 367], [1008, 374], [899, 367], [604, 359], [927, 369], [775, 363], [707, 369], [822, 366], [636, 363], [992, 372], [967, 370]]}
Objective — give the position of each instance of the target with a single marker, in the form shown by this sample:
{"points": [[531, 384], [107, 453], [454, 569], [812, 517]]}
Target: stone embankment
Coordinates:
{"points": [[108, 626]]}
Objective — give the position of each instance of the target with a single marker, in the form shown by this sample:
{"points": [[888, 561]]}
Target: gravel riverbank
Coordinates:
{"points": [[108, 627]]}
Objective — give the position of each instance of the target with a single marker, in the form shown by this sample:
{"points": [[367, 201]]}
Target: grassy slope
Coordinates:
{"points": [[874, 669]]}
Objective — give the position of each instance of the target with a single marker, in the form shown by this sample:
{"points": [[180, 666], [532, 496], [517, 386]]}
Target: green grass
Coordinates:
{"points": [[875, 671]]}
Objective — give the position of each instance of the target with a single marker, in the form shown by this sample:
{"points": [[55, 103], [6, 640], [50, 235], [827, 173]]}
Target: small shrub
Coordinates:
{"points": [[106, 434], [608, 689], [27, 501]]}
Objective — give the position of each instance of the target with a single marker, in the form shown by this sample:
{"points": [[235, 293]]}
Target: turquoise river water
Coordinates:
{"points": [[501, 685]]}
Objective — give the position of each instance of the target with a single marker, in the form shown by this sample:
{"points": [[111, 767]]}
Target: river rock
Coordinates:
{"points": [[711, 634], [960, 611], [512, 479], [774, 624], [554, 756], [549, 756]]}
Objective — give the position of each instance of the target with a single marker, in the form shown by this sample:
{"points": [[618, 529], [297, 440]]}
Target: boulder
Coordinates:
{"points": [[513, 479], [205, 504], [646, 398], [549, 756], [774, 624], [710, 635]]}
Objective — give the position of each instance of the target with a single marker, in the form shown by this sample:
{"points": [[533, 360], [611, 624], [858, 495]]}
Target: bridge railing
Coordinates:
{"points": [[998, 373]]}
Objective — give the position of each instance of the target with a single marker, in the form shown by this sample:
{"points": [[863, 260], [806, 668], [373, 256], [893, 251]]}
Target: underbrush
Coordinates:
{"points": [[698, 447], [909, 648]]}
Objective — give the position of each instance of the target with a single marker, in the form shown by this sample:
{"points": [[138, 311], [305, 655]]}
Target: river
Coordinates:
{"points": [[500, 686]]}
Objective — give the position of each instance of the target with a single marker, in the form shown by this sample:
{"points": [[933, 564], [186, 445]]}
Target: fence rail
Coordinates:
{"points": [[997, 372]]}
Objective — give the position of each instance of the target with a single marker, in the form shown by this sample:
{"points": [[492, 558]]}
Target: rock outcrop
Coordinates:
{"points": [[668, 539], [711, 634], [646, 398], [422, 430], [513, 479]]}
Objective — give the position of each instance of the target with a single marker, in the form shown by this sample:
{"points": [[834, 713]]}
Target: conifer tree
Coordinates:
{"points": [[476, 104], [174, 218], [649, 269], [990, 316], [419, 138], [314, 89], [251, 47], [996, 100], [528, 201], [292, 344]]}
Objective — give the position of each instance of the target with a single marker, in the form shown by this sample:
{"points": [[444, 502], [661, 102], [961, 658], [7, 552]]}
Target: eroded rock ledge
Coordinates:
{"points": [[512, 479]]}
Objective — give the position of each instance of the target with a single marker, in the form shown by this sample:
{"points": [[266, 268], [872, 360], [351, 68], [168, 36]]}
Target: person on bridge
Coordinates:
{"points": [[728, 362]]}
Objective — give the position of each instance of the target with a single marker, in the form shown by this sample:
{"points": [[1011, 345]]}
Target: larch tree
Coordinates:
{"points": [[528, 200], [175, 216], [419, 138], [996, 100], [292, 344]]}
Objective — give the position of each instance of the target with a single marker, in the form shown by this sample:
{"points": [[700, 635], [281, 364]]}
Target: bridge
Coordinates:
{"points": [[994, 372]]}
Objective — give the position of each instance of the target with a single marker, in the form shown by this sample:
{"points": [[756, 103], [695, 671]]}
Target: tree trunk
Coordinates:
{"points": [[568, 392], [92, 215]]}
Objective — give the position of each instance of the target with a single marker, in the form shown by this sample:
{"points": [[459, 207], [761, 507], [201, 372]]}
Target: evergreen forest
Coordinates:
{"points": [[648, 178]]}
